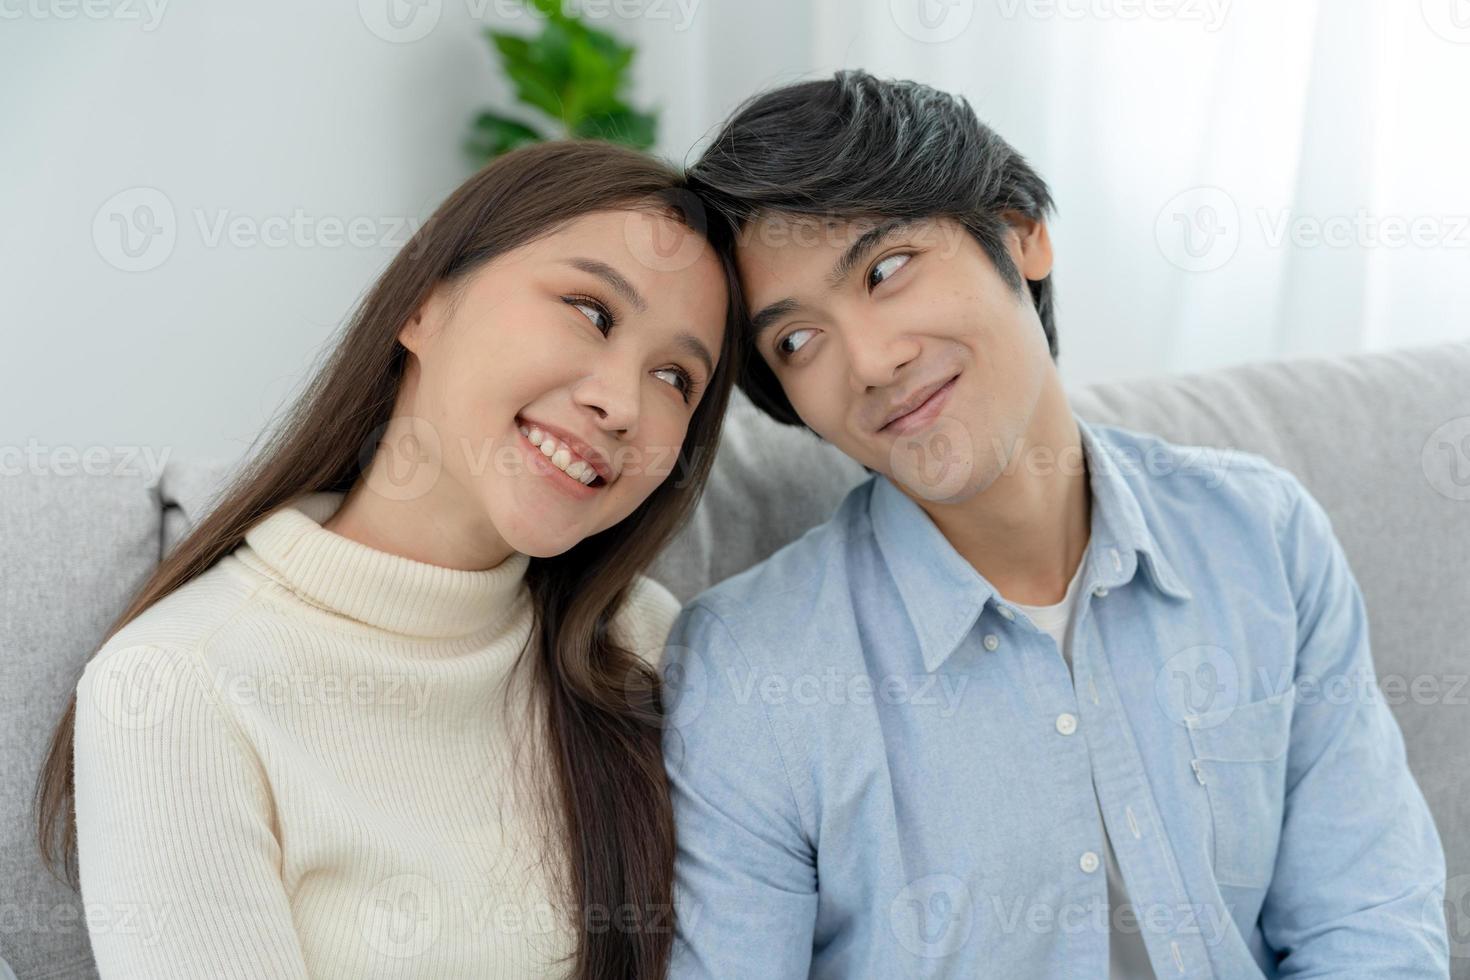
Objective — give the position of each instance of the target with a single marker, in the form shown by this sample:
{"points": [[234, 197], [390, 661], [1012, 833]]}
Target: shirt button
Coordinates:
{"points": [[991, 641], [1089, 862], [1099, 591], [1066, 723], [1005, 613]]}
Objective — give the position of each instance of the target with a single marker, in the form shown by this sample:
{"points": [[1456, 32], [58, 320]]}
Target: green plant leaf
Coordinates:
{"points": [[512, 47], [494, 134], [626, 126], [540, 67], [594, 83], [617, 54], [551, 10], [570, 72]]}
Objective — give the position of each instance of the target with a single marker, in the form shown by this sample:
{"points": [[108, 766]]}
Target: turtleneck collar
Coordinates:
{"points": [[388, 591]]}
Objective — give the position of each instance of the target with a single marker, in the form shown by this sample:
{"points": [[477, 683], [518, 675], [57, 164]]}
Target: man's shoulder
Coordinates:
{"points": [[794, 590], [643, 620], [1194, 479]]}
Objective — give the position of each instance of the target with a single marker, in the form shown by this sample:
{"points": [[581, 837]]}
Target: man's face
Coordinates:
{"points": [[900, 344]]}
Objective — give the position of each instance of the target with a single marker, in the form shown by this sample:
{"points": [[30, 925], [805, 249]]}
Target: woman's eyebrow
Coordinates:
{"points": [[694, 347], [613, 278]]}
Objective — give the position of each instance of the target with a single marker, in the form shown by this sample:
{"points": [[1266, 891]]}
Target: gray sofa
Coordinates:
{"points": [[1382, 440]]}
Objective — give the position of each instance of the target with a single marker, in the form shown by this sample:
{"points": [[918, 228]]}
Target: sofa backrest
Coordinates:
{"points": [[1382, 440]]}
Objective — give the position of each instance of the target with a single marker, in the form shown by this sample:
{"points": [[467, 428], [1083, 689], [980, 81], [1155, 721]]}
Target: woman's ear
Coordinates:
{"points": [[1030, 245], [424, 321], [409, 335]]}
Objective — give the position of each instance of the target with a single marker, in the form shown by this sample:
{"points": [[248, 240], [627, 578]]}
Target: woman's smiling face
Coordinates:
{"points": [[590, 342]]}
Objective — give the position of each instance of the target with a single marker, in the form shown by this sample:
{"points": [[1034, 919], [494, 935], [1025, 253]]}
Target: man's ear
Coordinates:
{"points": [[1030, 245]]}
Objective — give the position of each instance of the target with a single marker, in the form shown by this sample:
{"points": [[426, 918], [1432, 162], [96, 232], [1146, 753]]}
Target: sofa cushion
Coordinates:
{"points": [[73, 550]]}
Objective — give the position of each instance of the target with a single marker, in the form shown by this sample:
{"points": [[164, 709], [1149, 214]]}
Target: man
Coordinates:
{"points": [[1026, 706]]}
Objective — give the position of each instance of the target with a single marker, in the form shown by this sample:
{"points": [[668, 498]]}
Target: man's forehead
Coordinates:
{"points": [[770, 230]]}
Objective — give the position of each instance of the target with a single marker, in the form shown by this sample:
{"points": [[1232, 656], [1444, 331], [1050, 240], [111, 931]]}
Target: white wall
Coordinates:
{"points": [[289, 118]]}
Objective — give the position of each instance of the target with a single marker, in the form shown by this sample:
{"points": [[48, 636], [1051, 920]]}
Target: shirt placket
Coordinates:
{"points": [[1085, 944], [1166, 916]]}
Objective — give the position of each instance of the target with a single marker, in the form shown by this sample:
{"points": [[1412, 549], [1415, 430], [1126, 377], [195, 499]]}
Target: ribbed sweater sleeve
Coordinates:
{"points": [[180, 868]]}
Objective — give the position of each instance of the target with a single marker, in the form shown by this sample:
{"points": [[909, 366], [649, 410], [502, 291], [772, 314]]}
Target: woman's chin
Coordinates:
{"points": [[544, 542]]}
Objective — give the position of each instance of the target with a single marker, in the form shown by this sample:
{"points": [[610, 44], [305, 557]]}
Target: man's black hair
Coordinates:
{"points": [[857, 147]]}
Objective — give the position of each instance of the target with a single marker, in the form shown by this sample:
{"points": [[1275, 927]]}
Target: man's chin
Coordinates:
{"points": [[937, 464]]}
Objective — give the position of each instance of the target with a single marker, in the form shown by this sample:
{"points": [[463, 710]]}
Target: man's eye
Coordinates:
{"points": [[785, 348], [887, 267], [593, 310]]}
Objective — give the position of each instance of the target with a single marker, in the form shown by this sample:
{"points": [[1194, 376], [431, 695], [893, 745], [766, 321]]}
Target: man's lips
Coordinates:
{"points": [[918, 408]]}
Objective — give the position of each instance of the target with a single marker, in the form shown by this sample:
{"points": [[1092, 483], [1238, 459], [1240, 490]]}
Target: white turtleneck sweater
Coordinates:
{"points": [[299, 765]]}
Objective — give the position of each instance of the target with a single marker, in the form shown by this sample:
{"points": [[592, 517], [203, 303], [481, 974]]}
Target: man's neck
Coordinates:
{"points": [[1027, 532]]}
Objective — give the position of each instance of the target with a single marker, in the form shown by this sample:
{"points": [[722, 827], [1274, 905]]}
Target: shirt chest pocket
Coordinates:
{"points": [[1240, 756]]}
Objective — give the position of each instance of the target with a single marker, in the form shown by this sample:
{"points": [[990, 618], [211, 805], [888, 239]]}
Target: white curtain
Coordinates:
{"points": [[1235, 180]]}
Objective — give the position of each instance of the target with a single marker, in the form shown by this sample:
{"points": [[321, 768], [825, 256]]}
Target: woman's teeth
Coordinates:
{"points": [[560, 456]]}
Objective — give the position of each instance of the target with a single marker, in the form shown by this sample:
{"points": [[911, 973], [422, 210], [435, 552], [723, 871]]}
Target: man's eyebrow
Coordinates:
{"points": [[694, 347], [613, 278], [864, 244], [769, 314]]}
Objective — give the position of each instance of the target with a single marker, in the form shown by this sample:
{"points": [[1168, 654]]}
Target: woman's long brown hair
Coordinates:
{"points": [[599, 703]]}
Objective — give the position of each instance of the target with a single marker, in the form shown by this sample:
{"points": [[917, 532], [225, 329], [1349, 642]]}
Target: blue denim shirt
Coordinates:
{"points": [[881, 768]]}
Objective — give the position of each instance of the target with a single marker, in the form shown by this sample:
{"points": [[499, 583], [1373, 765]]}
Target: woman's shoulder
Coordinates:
{"points": [[187, 617], [646, 617]]}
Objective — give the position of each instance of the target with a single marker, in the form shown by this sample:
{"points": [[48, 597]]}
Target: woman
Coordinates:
{"points": [[389, 709]]}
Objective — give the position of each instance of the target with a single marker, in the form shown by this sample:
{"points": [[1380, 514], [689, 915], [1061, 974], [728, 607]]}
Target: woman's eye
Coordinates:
{"points": [[593, 310], [887, 267], [785, 348], [679, 379]]}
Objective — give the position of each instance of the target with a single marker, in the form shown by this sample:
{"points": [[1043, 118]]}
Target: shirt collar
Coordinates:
{"points": [[944, 595], [1118, 524]]}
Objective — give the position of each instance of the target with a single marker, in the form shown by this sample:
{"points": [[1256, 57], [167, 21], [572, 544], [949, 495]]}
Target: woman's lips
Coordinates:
{"points": [[927, 412], [558, 479]]}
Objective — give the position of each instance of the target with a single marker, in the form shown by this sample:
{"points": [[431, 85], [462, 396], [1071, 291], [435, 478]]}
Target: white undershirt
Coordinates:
{"points": [[1127, 955]]}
